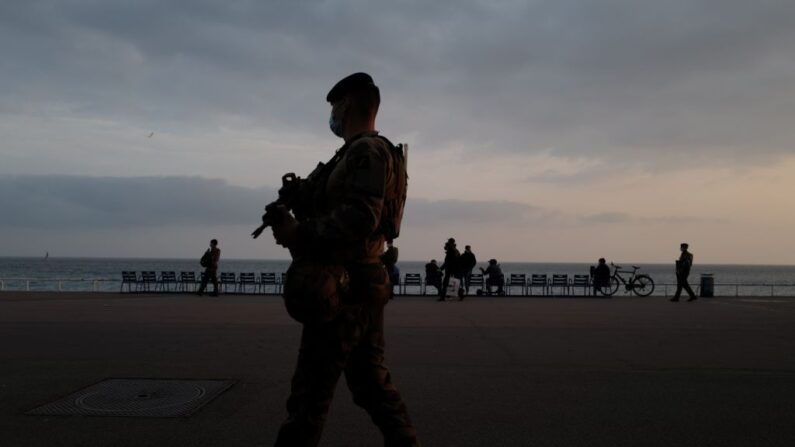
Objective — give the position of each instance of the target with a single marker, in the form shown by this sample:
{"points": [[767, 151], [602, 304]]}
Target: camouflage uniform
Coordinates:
{"points": [[343, 226]]}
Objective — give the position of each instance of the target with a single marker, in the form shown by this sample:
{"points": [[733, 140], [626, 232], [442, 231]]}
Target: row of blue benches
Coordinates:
{"points": [[169, 281], [563, 284], [150, 281]]}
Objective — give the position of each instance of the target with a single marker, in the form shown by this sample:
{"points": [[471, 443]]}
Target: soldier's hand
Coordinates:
{"points": [[285, 232]]}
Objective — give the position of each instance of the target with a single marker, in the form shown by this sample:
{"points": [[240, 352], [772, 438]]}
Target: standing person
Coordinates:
{"points": [[451, 266], [390, 259], [355, 203], [601, 276], [468, 263], [683, 265], [211, 258]]}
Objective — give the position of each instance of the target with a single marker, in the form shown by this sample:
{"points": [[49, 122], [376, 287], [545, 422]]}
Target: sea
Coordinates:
{"points": [[104, 274]]}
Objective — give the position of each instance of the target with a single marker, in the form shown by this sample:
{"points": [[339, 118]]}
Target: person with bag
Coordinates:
{"points": [[337, 286], [210, 263], [451, 266]]}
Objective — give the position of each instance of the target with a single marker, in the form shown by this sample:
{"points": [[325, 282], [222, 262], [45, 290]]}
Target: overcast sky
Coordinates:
{"points": [[538, 130]]}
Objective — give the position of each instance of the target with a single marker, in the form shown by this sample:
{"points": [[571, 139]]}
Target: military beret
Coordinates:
{"points": [[353, 83]]}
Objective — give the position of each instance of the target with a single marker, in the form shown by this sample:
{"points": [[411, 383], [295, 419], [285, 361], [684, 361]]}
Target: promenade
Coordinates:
{"points": [[482, 372]]}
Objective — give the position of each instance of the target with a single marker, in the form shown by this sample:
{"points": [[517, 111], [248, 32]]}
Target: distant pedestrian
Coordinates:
{"points": [[210, 263], [468, 263], [451, 266], [600, 275], [683, 265]]}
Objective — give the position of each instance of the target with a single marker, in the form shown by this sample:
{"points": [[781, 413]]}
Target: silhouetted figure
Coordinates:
{"points": [[210, 258], [451, 266], [433, 275], [348, 208], [390, 259], [494, 277], [600, 276], [468, 263], [683, 265]]}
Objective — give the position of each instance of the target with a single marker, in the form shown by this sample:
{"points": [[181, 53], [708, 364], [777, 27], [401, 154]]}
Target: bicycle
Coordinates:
{"points": [[640, 285]]}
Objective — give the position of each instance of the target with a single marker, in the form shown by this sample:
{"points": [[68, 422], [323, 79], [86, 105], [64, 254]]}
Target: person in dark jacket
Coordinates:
{"points": [[494, 276], [601, 277], [451, 266], [211, 271], [683, 265], [468, 263]]}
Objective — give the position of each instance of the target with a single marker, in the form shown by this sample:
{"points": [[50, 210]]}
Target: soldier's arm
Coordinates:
{"points": [[359, 215]]}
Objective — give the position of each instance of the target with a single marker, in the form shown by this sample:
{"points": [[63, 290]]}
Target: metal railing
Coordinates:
{"points": [[56, 284], [114, 285]]}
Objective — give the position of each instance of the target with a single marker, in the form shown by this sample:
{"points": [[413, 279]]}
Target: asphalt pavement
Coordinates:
{"points": [[482, 372]]}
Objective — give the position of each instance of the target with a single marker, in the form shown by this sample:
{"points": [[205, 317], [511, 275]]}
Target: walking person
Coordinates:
{"points": [[353, 204], [468, 263], [683, 265], [210, 263]]}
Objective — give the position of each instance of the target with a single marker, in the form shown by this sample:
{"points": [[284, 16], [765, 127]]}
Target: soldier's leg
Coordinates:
{"points": [[321, 359], [372, 388]]}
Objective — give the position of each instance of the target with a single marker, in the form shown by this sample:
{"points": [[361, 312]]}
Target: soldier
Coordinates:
{"points": [[345, 225], [683, 265], [211, 270]]}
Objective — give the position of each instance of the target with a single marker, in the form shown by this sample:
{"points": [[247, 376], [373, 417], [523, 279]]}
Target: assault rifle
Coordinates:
{"points": [[288, 196]]}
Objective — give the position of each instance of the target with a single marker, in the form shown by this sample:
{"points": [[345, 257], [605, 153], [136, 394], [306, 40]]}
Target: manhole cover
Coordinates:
{"points": [[138, 397]]}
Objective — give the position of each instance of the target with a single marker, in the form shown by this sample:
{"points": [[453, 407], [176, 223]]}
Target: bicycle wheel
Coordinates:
{"points": [[611, 288], [643, 285]]}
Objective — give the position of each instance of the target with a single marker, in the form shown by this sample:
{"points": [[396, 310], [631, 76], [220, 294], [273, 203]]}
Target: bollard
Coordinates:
{"points": [[707, 285]]}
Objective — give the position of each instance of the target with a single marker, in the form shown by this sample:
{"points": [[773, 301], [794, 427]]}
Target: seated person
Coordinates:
{"points": [[601, 277], [433, 274], [494, 276]]}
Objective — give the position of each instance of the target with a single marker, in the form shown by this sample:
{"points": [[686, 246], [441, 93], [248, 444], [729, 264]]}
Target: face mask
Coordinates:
{"points": [[335, 126]]}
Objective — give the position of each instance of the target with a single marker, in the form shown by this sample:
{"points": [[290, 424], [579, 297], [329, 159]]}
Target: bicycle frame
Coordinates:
{"points": [[628, 284]]}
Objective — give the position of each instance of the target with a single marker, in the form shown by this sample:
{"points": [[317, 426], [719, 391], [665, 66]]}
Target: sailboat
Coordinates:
{"points": [[46, 255]]}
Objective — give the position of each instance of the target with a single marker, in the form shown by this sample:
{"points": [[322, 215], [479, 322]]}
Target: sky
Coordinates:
{"points": [[545, 131]]}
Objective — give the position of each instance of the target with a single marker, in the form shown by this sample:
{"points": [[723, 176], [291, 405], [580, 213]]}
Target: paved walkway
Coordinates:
{"points": [[483, 372]]}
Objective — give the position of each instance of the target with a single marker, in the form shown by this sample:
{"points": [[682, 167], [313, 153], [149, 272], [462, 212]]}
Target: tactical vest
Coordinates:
{"points": [[394, 197]]}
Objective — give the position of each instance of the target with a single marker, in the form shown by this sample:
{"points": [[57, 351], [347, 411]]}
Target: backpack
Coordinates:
{"points": [[395, 200], [206, 259]]}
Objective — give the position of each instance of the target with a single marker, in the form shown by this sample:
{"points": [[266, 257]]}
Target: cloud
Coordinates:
{"points": [[71, 202], [693, 81], [455, 213], [624, 218], [112, 202]]}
